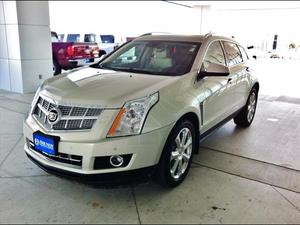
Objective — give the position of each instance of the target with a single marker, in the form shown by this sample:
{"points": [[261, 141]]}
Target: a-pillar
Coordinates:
{"points": [[25, 45]]}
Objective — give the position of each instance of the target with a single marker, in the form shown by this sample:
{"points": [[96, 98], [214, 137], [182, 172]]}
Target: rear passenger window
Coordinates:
{"points": [[244, 54], [233, 53], [214, 54]]}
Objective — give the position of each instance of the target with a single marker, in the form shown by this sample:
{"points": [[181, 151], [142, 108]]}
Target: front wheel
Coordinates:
{"points": [[177, 155], [246, 115]]}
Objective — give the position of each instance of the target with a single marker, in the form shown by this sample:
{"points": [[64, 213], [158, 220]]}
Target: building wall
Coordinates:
{"points": [[26, 56]]}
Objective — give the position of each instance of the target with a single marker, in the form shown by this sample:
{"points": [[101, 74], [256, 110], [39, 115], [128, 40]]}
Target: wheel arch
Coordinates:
{"points": [[193, 117], [256, 86]]}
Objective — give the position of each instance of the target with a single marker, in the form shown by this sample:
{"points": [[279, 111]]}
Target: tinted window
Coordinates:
{"points": [[89, 38], [214, 54], [233, 53], [153, 57], [244, 54], [73, 38], [107, 38]]}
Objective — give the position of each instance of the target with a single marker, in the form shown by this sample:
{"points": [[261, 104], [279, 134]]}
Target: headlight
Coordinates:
{"points": [[131, 117], [35, 98]]}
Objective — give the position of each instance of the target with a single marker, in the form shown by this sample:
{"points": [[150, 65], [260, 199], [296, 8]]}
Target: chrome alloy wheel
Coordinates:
{"points": [[182, 153], [251, 107]]}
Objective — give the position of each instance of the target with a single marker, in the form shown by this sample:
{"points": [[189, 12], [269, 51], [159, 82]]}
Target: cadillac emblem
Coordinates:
{"points": [[54, 115]]}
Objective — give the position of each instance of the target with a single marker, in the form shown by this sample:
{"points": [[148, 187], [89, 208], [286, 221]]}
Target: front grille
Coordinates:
{"points": [[60, 157], [72, 117]]}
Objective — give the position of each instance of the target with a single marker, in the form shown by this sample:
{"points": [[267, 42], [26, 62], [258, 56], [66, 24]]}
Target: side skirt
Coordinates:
{"points": [[217, 126]]}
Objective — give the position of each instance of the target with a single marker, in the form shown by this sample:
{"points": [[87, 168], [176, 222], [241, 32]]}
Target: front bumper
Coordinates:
{"points": [[138, 175], [145, 151]]}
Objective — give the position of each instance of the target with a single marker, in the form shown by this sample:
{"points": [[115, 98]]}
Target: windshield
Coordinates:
{"points": [[153, 57]]}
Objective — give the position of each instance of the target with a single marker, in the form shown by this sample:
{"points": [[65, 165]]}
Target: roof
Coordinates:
{"points": [[184, 38]]}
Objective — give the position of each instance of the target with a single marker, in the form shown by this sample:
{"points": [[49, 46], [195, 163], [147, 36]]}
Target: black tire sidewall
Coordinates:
{"points": [[164, 164], [248, 100], [241, 119]]}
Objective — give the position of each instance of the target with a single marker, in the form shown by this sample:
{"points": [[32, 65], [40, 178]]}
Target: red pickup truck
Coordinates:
{"points": [[68, 55]]}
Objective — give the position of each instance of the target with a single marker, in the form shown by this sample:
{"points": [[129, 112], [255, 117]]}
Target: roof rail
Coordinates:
{"points": [[154, 33], [208, 34]]}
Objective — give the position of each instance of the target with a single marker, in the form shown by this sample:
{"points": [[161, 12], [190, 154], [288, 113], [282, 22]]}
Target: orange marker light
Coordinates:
{"points": [[113, 128]]}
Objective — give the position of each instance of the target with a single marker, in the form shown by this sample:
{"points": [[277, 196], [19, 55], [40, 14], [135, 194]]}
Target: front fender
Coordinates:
{"points": [[175, 101]]}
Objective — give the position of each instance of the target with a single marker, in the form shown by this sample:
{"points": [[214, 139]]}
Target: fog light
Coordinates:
{"points": [[116, 160]]}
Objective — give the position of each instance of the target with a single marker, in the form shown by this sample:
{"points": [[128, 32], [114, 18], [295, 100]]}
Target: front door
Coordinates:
{"points": [[212, 91]]}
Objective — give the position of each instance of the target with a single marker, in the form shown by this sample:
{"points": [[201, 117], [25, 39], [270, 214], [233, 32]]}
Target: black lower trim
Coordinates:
{"points": [[214, 128], [139, 175], [73, 64]]}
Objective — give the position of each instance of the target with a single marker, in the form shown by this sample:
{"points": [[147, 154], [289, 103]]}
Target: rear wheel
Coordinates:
{"points": [[246, 115], [177, 155], [56, 69]]}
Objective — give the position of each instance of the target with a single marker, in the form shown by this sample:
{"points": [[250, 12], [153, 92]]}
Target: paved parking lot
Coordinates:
{"points": [[240, 176]]}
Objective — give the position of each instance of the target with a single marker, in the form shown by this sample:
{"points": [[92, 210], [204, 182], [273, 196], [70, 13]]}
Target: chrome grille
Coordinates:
{"points": [[72, 117], [93, 112], [78, 111], [60, 125], [65, 110]]}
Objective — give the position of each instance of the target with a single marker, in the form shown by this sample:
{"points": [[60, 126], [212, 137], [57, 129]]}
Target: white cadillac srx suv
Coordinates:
{"points": [[142, 108]]}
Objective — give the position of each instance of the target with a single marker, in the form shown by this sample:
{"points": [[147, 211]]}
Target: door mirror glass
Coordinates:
{"points": [[213, 69]]}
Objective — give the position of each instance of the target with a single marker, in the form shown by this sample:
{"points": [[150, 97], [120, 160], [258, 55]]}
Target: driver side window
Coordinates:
{"points": [[214, 54]]}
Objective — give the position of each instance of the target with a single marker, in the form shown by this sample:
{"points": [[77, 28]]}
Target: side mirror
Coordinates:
{"points": [[213, 69]]}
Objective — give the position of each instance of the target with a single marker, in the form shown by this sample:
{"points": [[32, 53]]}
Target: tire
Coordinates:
{"points": [[175, 154], [56, 67], [246, 115]]}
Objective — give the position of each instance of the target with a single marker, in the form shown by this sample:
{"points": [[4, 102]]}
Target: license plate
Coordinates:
{"points": [[45, 143], [87, 60]]}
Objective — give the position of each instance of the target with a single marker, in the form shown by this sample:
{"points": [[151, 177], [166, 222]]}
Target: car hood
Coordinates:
{"points": [[104, 88]]}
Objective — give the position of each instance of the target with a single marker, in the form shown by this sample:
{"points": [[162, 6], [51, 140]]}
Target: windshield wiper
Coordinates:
{"points": [[133, 70], [142, 71]]}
